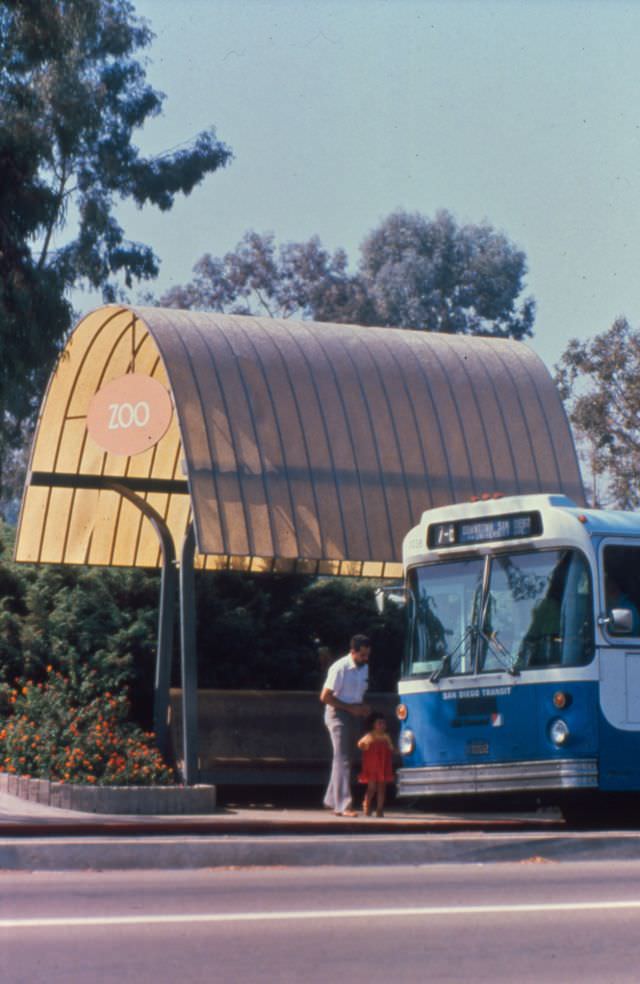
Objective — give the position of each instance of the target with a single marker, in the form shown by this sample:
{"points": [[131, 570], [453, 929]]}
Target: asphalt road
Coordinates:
{"points": [[516, 923]]}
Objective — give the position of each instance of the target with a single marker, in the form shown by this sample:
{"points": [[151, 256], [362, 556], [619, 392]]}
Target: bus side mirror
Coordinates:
{"points": [[620, 621], [395, 594]]}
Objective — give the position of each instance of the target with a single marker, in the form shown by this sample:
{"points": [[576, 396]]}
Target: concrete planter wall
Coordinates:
{"points": [[147, 800]]}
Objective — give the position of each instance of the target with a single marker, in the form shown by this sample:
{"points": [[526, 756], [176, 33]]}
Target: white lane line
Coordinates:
{"points": [[286, 916]]}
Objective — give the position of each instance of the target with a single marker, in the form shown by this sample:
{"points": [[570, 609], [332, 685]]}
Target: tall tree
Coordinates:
{"points": [[600, 381], [72, 95], [292, 280], [434, 275], [414, 272]]}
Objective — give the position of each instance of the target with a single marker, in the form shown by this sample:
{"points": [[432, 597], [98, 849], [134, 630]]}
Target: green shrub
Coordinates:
{"points": [[254, 631]]}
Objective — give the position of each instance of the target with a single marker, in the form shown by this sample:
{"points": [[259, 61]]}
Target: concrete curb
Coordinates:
{"points": [[131, 800], [101, 853]]}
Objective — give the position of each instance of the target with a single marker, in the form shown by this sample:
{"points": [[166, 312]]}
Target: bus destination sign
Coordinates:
{"points": [[489, 529]]}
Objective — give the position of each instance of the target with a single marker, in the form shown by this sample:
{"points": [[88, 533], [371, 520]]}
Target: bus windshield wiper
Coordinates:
{"points": [[501, 653], [448, 657]]}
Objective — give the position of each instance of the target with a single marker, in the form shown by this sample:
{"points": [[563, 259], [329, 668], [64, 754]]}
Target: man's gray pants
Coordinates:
{"points": [[342, 731]]}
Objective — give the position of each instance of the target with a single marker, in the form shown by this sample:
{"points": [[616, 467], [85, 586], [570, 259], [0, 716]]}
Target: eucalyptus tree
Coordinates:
{"points": [[600, 382], [436, 275], [302, 280], [414, 272], [73, 93]]}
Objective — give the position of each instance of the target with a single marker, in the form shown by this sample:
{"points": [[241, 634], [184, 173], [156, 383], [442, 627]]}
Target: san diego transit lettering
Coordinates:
{"points": [[478, 692]]}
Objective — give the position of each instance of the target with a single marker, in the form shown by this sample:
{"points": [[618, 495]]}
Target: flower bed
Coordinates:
{"points": [[68, 731]]}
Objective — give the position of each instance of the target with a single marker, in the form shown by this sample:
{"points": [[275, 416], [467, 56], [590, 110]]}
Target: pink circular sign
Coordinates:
{"points": [[129, 414]]}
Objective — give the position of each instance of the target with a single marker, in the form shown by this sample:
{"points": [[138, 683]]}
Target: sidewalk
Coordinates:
{"points": [[20, 817], [36, 837]]}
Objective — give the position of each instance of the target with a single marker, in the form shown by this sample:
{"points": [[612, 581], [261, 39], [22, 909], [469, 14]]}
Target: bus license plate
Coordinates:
{"points": [[478, 748]]}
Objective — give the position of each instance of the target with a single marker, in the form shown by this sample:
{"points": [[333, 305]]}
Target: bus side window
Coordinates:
{"points": [[622, 586]]}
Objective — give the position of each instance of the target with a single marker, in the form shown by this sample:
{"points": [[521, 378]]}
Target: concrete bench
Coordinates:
{"points": [[263, 737]]}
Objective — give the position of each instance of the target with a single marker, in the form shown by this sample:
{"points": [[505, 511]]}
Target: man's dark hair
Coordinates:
{"points": [[358, 641]]}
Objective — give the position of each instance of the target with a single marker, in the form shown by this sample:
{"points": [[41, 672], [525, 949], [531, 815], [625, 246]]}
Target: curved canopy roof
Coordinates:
{"points": [[294, 445]]}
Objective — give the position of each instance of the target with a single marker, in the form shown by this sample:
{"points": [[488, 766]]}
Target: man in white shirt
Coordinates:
{"points": [[342, 695]]}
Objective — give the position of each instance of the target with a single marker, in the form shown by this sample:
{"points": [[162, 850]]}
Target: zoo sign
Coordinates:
{"points": [[129, 414]]}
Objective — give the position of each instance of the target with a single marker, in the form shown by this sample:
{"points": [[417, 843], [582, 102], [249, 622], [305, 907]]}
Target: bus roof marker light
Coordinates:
{"points": [[582, 518]]}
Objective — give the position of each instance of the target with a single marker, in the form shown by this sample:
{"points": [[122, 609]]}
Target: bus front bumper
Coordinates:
{"points": [[501, 777]]}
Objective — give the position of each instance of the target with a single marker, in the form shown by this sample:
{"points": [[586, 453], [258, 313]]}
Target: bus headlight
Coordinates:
{"points": [[559, 732], [407, 742]]}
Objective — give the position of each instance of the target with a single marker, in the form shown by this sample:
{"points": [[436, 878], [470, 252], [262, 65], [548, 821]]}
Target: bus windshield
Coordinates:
{"points": [[444, 604], [508, 612]]}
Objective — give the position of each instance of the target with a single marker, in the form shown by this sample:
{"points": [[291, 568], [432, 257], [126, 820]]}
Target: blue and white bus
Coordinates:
{"points": [[522, 663]]}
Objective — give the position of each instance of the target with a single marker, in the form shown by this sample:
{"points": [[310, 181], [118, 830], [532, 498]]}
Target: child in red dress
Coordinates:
{"points": [[377, 771]]}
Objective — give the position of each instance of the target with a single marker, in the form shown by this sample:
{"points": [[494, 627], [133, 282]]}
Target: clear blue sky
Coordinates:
{"points": [[524, 113]]}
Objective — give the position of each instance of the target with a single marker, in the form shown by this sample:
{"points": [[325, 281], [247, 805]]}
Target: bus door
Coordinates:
{"points": [[619, 665]]}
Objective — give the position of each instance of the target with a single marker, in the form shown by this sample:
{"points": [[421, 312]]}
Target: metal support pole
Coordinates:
{"points": [[189, 664], [166, 616], [162, 681]]}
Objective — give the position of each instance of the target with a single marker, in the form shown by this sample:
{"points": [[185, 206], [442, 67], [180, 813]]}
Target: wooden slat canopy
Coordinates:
{"points": [[293, 445]]}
